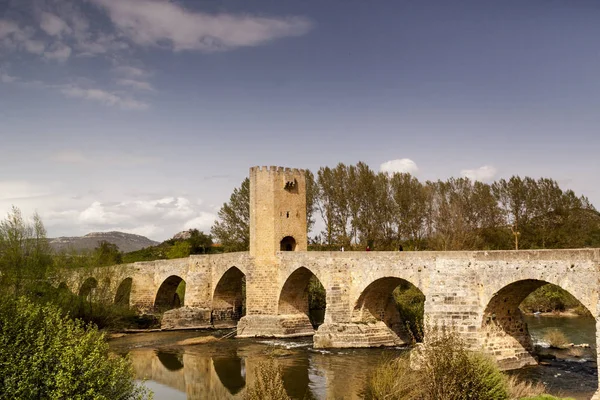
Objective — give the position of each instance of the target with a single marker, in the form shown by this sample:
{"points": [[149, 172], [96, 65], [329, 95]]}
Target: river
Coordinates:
{"points": [[219, 369]]}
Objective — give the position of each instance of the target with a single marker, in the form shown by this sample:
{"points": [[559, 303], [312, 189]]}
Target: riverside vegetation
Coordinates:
{"points": [[47, 351]]}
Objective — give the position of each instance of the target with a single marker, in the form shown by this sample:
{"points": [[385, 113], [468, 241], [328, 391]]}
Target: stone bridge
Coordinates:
{"points": [[265, 291]]}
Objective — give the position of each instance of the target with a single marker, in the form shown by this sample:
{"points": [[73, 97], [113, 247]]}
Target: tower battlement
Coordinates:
{"points": [[277, 211]]}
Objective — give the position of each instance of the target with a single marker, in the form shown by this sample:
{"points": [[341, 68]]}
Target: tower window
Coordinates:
{"points": [[291, 186], [288, 243]]}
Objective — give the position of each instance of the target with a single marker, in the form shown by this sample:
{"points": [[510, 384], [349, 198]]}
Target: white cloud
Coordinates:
{"points": [[140, 85], [203, 222], [97, 214], [482, 174], [144, 217], [53, 25], [59, 52], [104, 97], [165, 24], [402, 165]]}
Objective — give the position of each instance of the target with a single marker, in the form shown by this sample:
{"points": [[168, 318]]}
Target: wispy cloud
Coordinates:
{"points": [[104, 97], [403, 165], [53, 25], [135, 84], [166, 24], [482, 174]]}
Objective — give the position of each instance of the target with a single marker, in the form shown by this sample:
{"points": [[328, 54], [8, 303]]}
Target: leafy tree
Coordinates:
{"points": [[24, 251], [48, 356], [107, 253], [200, 243], [312, 194], [180, 249], [233, 228]]}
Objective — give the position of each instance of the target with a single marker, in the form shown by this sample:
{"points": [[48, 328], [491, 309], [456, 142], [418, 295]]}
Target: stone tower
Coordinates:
{"points": [[277, 211]]}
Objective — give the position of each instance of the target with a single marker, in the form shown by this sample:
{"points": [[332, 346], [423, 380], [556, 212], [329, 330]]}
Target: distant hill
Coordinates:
{"points": [[125, 241]]}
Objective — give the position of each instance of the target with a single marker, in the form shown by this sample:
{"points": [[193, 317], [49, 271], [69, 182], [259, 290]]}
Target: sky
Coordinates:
{"points": [[143, 115]]}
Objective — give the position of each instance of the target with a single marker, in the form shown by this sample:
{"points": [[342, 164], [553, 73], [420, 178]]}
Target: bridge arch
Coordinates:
{"points": [[296, 296], [87, 286], [229, 298], [504, 331], [170, 294], [377, 303], [123, 295]]}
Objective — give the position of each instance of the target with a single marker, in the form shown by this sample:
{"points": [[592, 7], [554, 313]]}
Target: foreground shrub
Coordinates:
{"points": [[394, 380], [268, 384], [547, 397], [443, 370], [46, 355], [556, 339]]}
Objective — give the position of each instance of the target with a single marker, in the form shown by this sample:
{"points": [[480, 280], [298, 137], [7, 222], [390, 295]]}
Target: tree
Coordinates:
{"points": [[107, 253], [25, 255], [46, 355], [232, 229], [200, 243], [312, 195], [180, 249]]}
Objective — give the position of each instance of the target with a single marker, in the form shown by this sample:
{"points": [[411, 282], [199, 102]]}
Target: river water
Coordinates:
{"points": [[221, 369]]}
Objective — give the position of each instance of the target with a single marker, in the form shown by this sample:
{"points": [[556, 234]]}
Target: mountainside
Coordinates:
{"points": [[125, 241]]}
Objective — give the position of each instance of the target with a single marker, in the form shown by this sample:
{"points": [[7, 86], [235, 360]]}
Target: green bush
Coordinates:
{"points": [[549, 298], [410, 302], [46, 355], [443, 370]]}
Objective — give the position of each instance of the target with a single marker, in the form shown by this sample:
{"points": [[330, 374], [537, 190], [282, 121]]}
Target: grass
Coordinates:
{"points": [[556, 339], [518, 389]]}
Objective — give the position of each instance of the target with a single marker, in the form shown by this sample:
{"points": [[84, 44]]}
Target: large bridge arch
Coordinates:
{"points": [[168, 295], [229, 298], [294, 302], [377, 304], [504, 332]]}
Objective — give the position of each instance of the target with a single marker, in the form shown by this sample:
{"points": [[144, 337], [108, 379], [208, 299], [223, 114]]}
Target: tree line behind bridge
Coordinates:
{"points": [[356, 207]]}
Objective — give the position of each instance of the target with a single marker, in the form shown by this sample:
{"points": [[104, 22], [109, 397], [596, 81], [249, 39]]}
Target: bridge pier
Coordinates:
{"points": [[280, 326], [353, 334]]}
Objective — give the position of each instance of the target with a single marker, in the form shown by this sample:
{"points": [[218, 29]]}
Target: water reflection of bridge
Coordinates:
{"points": [[229, 374]]}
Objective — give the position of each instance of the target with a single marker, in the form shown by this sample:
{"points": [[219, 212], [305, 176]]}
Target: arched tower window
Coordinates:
{"points": [[288, 243]]}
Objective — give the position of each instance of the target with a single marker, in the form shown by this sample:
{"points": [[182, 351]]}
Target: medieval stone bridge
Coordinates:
{"points": [[477, 292]]}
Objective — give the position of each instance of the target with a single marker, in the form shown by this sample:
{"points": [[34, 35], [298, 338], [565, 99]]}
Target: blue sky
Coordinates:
{"points": [[143, 115]]}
